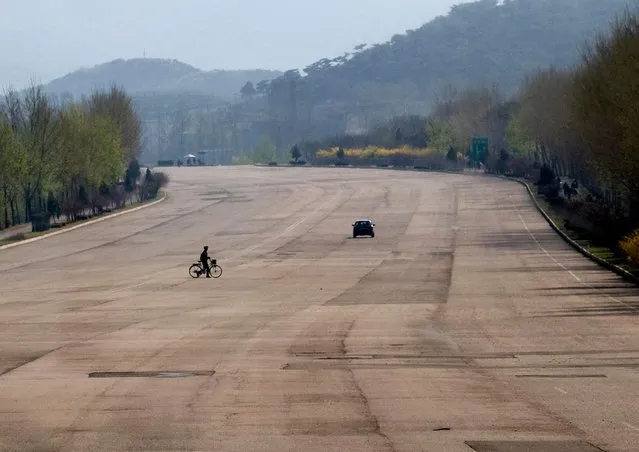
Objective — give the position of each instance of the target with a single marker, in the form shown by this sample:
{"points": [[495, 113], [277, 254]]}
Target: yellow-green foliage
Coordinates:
{"points": [[70, 155], [374, 152], [630, 246]]}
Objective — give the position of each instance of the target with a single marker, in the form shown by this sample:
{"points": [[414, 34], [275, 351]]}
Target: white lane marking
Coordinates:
{"points": [[545, 251], [630, 426], [609, 297], [561, 390]]}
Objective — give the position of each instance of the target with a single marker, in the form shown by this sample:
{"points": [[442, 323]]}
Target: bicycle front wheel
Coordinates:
{"points": [[195, 271], [216, 271]]}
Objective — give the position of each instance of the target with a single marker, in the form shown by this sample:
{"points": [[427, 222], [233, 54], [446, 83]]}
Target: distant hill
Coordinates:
{"points": [[483, 42], [478, 43], [154, 75]]}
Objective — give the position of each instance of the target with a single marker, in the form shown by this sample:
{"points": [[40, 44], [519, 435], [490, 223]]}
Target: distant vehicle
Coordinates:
{"points": [[363, 227]]}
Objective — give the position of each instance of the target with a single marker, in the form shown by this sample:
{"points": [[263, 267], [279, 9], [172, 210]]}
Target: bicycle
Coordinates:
{"points": [[197, 269]]}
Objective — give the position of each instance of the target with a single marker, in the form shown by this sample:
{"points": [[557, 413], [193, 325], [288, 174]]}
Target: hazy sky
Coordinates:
{"points": [[44, 39]]}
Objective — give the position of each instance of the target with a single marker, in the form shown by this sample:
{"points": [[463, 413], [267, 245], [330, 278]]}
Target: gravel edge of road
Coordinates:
{"points": [[84, 224]]}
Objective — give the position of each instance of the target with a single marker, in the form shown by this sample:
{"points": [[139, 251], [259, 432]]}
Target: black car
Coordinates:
{"points": [[363, 227]]}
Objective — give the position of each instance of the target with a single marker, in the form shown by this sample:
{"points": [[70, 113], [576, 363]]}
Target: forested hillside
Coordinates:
{"points": [[477, 43], [480, 43]]}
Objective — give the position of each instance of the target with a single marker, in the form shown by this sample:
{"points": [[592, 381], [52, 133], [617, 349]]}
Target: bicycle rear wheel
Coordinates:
{"points": [[216, 271], [195, 271]]}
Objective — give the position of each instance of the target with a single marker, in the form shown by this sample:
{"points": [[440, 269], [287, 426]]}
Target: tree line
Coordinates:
{"points": [[579, 125], [67, 159]]}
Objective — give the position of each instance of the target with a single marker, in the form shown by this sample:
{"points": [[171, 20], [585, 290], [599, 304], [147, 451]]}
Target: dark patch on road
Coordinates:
{"points": [[315, 355], [540, 269], [234, 233], [311, 398], [153, 374], [423, 281], [625, 287], [532, 446], [28, 360], [454, 222], [437, 363], [334, 428], [561, 376], [610, 308], [237, 199], [519, 241], [88, 289]]}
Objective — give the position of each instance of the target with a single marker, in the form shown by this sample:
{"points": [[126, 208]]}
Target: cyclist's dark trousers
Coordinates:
{"points": [[207, 268]]}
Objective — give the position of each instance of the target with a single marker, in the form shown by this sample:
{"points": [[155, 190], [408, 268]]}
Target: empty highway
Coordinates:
{"points": [[465, 325]]}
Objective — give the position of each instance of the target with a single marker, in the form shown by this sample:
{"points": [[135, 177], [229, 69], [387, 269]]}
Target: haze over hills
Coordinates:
{"points": [[155, 75], [479, 43]]}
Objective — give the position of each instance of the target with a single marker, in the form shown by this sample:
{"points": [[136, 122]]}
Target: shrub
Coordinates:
{"points": [[520, 167], [630, 246], [546, 176], [551, 191], [402, 160], [152, 184], [451, 154]]}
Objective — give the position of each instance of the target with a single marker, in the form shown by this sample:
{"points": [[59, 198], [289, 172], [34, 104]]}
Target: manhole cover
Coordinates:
{"points": [[152, 374], [532, 446]]}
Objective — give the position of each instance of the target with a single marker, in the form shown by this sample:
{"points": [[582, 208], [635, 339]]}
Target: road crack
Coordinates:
{"points": [[371, 419]]}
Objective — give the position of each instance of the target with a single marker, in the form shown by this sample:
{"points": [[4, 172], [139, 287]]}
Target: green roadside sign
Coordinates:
{"points": [[479, 149]]}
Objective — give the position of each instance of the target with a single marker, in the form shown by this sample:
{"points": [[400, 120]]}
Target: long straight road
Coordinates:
{"points": [[465, 325]]}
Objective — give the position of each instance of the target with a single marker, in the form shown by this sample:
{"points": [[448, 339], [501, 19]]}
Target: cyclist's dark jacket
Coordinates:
{"points": [[204, 257]]}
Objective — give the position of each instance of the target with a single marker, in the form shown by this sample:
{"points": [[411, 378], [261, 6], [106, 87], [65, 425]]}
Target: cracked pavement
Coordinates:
{"points": [[464, 324]]}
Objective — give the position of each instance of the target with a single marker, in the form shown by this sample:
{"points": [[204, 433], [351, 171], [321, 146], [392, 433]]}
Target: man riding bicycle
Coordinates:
{"points": [[204, 260]]}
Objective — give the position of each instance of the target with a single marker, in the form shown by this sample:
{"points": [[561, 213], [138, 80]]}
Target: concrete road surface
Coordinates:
{"points": [[465, 325]]}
